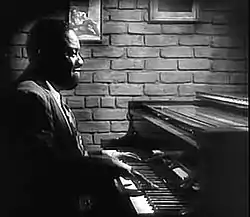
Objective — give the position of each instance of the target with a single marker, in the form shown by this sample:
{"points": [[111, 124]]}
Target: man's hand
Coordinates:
{"points": [[127, 171], [142, 178], [121, 155], [119, 168]]}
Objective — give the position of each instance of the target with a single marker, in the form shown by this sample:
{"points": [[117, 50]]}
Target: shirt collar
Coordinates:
{"points": [[55, 93]]}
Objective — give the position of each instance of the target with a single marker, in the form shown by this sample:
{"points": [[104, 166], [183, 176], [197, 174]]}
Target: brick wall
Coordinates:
{"points": [[141, 60]]}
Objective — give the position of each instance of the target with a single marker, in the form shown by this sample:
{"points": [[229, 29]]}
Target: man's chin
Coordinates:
{"points": [[72, 82], [69, 83]]}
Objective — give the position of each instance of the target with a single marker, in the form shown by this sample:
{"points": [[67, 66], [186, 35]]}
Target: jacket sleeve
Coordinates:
{"points": [[32, 121], [35, 147]]}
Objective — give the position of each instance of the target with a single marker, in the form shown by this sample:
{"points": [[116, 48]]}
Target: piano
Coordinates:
{"points": [[195, 151]]}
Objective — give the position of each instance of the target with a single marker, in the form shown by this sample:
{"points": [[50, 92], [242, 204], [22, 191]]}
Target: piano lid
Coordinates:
{"points": [[202, 116], [238, 100], [188, 118]]}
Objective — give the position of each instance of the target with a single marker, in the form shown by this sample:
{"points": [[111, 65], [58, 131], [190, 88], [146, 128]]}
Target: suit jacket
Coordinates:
{"points": [[49, 170]]}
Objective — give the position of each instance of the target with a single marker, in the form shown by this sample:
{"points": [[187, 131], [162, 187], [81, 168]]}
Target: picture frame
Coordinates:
{"points": [[85, 19], [188, 13]]}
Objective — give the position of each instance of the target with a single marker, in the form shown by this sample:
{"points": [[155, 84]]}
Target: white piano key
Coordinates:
{"points": [[140, 203], [128, 184]]}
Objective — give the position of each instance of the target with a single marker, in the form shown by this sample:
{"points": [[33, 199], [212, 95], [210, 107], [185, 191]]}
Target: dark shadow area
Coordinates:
{"points": [[14, 14]]}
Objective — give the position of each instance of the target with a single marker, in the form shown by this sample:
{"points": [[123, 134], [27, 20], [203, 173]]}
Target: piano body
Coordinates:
{"points": [[195, 151]]}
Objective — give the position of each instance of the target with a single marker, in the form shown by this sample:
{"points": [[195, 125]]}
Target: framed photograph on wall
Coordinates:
{"points": [[173, 11], [85, 19]]}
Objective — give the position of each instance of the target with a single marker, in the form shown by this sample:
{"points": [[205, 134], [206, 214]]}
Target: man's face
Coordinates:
{"points": [[67, 63], [73, 51]]}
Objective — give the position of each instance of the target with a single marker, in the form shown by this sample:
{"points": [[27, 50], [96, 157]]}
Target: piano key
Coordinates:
{"points": [[172, 212], [139, 202], [146, 187], [141, 205], [156, 179], [137, 163], [168, 206], [152, 198], [160, 185], [141, 167], [149, 173], [165, 202], [162, 195], [167, 212], [164, 199], [158, 192]]}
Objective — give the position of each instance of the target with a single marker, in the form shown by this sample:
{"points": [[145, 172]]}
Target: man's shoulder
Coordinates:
{"points": [[28, 85], [33, 87]]}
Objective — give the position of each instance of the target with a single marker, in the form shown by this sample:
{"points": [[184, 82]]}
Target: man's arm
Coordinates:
{"points": [[34, 141]]}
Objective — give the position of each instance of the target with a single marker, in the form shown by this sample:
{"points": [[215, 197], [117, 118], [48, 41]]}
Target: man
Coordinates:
{"points": [[52, 174]]}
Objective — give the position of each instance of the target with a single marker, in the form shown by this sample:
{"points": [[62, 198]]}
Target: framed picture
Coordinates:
{"points": [[85, 19], [173, 11]]}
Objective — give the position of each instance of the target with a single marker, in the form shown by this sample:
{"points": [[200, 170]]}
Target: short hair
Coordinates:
{"points": [[45, 36]]}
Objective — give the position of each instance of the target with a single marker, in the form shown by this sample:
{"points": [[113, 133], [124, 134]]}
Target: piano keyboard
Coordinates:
{"points": [[162, 201], [140, 203]]}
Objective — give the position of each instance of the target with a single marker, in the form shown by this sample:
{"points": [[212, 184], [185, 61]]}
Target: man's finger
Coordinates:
{"points": [[154, 158], [142, 177], [129, 154]]}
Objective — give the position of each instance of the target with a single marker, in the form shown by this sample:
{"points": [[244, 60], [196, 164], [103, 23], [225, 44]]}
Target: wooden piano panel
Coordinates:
{"points": [[223, 173]]}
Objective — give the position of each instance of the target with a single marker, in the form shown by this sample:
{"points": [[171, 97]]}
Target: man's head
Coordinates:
{"points": [[54, 48]]}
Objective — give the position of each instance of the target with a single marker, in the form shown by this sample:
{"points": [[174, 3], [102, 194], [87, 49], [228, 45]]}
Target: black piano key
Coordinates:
{"points": [[163, 196], [156, 198], [142, 167], [155, 179], [149, 192], [172, 200], [166, 212], [146, 173], [160, 185], [166, 202], [158, 192], [147, 188], [137, 164], [163, 199], [160, 195], [168, 207]]}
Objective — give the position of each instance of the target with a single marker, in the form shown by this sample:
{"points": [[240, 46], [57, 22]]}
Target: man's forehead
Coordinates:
{"points": [[73, 39]]}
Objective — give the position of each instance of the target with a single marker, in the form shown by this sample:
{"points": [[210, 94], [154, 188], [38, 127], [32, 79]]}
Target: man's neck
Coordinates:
{"points": [[40, 70], [56, 87]]}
